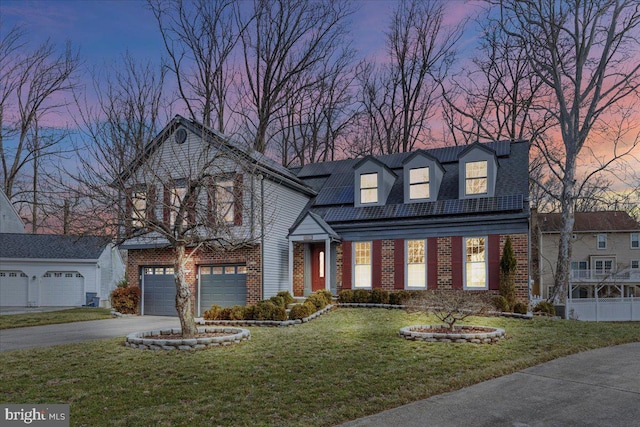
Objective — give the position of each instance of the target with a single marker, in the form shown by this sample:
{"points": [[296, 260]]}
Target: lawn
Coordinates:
{"points": [[343, 365], [52, 317]]}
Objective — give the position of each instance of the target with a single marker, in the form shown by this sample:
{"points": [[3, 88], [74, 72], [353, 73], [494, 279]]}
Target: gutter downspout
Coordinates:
{"points": [[261, 178]]}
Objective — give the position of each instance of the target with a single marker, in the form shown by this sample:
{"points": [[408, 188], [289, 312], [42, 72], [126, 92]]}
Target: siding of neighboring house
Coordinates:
{"points": [[10, 221], [282, 207]]}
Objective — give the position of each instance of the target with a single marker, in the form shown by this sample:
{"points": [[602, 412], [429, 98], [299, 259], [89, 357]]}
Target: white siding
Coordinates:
{"points": [[282, 207], [10, 221]]}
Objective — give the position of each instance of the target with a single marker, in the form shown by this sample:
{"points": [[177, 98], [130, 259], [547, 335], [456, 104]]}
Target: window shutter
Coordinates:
{"points": [[376, 264], [166, 207], [347, 265], [457, 264], [128, 210], [398, 264], [494, 261], [151, 203], [432, 263], [237, 199]]}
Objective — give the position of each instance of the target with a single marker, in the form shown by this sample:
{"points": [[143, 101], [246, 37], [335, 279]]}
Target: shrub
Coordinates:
{"points": [[267, 310], [520, 308], [318, 301], [501, 303], [122, 283], [379, 296], [361, 296], [225, 313], [545, 307], [311, 307], [508, 265], [399, 297], [213, 313], [125, 299], [299, 311], [450, 306], [278, 300], [288, 299], [327, 295], [237, 312], [345, 296]]}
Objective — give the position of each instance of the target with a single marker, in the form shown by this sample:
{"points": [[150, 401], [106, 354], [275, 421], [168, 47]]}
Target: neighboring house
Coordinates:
{"points": [[605, 254], [427, 219], [55, 270], [10, 221]]}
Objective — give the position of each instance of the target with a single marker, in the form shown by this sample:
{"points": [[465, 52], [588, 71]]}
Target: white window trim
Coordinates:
{"points": [[637, 240], [353, 263], [406, 266], [598, 241], [376, 188], [631, 264], [485, 177], [427, 182], [486, 264], [139, 214]]}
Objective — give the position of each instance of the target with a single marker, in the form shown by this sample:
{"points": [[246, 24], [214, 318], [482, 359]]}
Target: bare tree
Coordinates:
{"points": [[450, 306], [32, 85], [200, 37], [284, 43], [400, 97], [583, 51]]}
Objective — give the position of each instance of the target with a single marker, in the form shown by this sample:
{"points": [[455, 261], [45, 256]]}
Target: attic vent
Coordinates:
{"points": [[180, 136]]}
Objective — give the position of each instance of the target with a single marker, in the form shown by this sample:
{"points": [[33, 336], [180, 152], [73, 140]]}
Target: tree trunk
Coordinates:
{"points": [[183, 295], [564, 245]]}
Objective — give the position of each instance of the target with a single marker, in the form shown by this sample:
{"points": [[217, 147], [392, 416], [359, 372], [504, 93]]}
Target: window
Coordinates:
{"points": [[369, 188], [139, 208], [602, 241], [476, 177], [635, 264], [362, 261], [475, 263], [176, 199], [579, 269], [603, 266], [419, 183], [635, 240], [321, 264], [579, 265], [225, 211], [416, 267]]}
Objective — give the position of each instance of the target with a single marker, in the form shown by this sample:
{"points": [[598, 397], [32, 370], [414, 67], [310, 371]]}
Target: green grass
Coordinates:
{"points": [[52, 317], [346, 364]]}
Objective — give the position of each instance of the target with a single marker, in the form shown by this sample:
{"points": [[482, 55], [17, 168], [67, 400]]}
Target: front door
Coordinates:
{"points": [[317, 266]]}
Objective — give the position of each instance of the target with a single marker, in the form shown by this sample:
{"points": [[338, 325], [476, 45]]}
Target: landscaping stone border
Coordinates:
{"points": [[271, 323], [492, 335], [138, 339]]}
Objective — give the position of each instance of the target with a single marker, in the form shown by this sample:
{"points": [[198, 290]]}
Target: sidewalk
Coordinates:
{"points": [[594, 388]]}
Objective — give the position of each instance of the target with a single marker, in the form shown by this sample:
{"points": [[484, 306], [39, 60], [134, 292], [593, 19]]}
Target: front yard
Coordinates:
{"points": [[53, 317], [343, 365]]}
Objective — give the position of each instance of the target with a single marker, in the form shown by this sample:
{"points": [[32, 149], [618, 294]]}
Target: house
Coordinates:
{"points": [[428, 219], [605, 254], [10, 221], [56, 270]]}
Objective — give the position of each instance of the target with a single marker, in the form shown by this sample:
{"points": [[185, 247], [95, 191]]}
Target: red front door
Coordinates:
{"points": [[317, 266]]}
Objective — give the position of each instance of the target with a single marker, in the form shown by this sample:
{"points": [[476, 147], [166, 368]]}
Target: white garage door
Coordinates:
{"points": [[13, 288], [62, 288]]}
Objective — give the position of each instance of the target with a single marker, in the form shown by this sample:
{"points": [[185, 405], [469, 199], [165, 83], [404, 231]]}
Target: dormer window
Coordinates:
{"points": [[368, 188], [476, 177], [419, 183]]}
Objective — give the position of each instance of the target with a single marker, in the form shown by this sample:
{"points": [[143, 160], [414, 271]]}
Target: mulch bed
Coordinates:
{"points": [[465, 330], [179, 336]]}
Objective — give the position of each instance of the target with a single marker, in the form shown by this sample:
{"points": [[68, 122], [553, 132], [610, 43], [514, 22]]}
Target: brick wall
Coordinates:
{"points": [[250, 256], [298, 269], [444, 264]]}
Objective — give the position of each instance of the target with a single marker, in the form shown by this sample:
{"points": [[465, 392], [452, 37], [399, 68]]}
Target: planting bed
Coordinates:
{"points": [[460, 334]]}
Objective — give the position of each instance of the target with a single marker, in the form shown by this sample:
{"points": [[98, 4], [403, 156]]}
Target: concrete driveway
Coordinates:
{"points": [[595, 388], [43, 336]]}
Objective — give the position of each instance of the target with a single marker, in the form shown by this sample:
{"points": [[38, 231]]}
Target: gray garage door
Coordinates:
{"points": [[223, 285], [158, 291]]}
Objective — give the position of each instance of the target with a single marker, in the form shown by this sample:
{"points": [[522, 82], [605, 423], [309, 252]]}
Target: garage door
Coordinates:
{"points": [[158, 291], [62, 289], [13, 288], [222, 285]]}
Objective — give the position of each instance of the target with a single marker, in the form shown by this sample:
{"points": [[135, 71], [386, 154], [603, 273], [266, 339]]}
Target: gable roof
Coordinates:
{"points": [[263, 163], [51, 246], [590, 222]]}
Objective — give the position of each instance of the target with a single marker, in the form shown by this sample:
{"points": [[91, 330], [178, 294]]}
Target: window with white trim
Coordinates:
{"points": [[635, 264], [139, 208], [176, 199], [362, 265], [419, 183], [635, 240], [475, 260], [476, 177], [369, 188], [602, 241], [416, 264], [603, 266], [225, 211]]}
